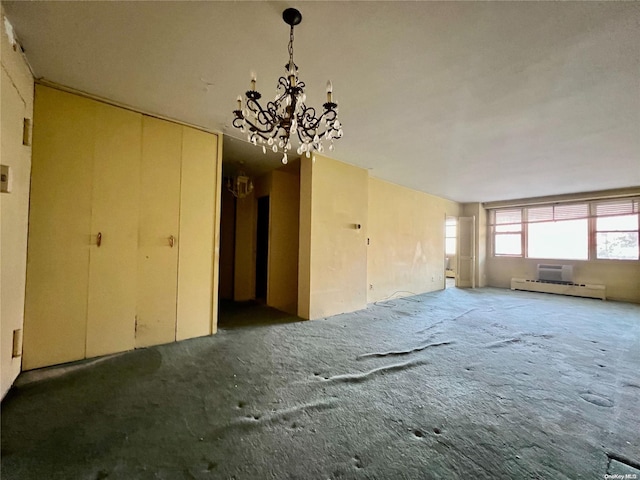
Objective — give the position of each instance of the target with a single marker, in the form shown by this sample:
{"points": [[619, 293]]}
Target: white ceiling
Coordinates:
{"points": [[472, 101]]}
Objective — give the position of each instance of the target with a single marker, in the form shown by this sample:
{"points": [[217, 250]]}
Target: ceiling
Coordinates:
{"points": [[471, 101]]}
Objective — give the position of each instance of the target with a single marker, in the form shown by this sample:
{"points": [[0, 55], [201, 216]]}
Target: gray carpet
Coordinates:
{"points": [[482, 383]]}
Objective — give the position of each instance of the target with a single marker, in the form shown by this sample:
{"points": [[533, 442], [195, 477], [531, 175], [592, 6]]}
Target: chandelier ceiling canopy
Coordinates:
{"points": [[277, 123]]}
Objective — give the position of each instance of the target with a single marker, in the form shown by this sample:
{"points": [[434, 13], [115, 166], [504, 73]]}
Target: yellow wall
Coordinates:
{"points": [[406, 230], [16, 87], [334, 276], [304, 239], [284, 209]]}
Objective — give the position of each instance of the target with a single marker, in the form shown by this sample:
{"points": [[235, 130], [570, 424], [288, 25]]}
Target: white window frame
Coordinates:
{"points": [[634, 207], [591, 215], [520, 232]]}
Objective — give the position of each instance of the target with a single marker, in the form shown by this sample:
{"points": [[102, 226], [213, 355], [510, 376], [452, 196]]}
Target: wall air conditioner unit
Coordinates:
{"points": [[555, 273]]}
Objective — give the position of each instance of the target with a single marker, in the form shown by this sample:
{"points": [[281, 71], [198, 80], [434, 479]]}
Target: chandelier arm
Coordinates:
{"points": [[284, 84], [308, 125], [260, 132], [238, 122], [266, 119], [330, 116]]}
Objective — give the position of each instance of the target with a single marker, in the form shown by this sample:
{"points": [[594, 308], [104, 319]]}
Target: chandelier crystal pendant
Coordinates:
{"points": [[276, 124]]}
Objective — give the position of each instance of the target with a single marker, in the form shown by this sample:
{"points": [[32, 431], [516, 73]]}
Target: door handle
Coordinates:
{"points": [[99, 239], [172, 241]]}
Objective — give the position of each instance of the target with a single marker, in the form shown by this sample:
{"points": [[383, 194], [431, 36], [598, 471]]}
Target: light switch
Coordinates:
{"points": [[26, 132], [17, 343], [6, 180]]}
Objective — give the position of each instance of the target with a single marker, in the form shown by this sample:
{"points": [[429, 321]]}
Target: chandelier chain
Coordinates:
{"points": [[291, 64]]}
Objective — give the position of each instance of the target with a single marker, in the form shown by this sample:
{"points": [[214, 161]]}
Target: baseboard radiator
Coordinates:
{"points": [[573, 289]]}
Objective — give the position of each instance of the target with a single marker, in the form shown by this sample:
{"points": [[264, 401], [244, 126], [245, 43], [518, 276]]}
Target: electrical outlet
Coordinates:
{"points": [[371, 286]]}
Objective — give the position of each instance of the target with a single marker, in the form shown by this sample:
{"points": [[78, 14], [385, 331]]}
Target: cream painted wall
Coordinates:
{"points": [[304, 239], [334, 276], [477, 210], [284, 210], [406, 230], [622, 278], [16, 86]]}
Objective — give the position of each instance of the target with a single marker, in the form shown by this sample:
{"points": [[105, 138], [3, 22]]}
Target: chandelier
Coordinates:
{"points": [[277, 123], [240, 186]]}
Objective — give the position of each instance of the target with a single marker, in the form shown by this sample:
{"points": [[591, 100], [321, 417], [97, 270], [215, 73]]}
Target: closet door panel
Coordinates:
{"points": [[159, 242], [114, 231], [197, 217], [59, 222]]}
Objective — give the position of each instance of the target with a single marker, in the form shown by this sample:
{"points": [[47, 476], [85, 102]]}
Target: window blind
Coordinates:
{"points": [[627, 206], [568, 211], [507, 217], [554, 213]]}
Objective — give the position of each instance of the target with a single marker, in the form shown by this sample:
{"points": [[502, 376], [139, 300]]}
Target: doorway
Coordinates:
{"points": [[465, 268], [450, 261], [262, 249]]}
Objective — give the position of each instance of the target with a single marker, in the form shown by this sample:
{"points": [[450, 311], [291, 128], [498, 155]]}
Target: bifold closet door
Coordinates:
{"points": [[114, 231], [59, 223], [198, 207], [159, 239]]}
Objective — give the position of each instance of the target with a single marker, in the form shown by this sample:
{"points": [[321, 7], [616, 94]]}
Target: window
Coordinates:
{"points": [[617, 230], [450, 236], [508, 232], [558, 232], [607, 230]]}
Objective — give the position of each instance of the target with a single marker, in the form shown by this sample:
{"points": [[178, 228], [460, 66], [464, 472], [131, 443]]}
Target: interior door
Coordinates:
{"points": [[158, 238], [59, 222], [111, 307], [199, 197], [465, 277]]}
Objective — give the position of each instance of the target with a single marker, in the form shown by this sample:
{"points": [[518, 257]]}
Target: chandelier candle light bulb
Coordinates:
{"points": [[288, 116]]}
